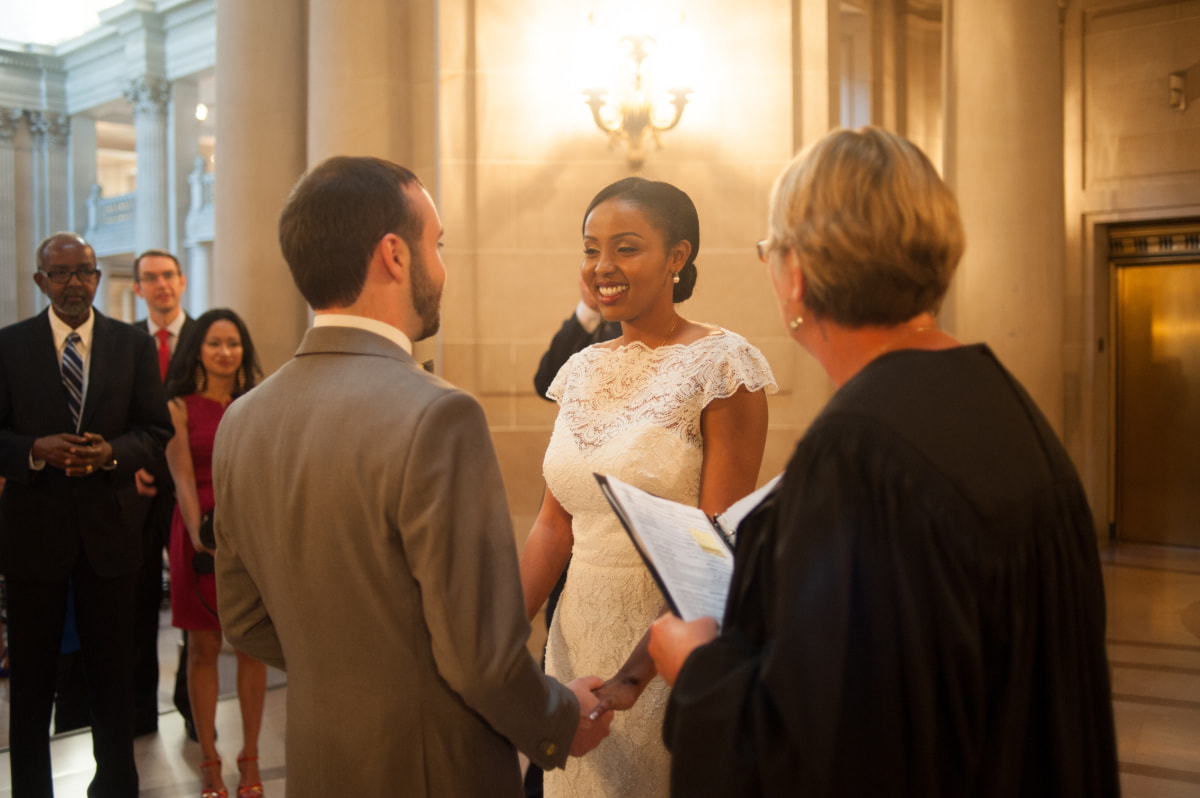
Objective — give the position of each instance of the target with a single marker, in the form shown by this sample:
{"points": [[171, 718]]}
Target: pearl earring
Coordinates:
{"points": [[675, 279], [795, 323]]}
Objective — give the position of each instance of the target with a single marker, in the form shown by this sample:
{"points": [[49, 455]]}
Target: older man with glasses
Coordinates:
{"points": [[81, 409]]}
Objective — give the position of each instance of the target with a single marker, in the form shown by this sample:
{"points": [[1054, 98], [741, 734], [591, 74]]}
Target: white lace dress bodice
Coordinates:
{"points": [[633, 413]]}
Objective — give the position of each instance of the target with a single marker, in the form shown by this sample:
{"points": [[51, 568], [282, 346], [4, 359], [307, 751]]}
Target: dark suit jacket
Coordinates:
{"points": [[159, 469], [569, 339], [46, 516]]}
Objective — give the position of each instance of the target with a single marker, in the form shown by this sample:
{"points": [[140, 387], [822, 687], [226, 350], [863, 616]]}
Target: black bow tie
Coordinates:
{"points": [[428, 366]]}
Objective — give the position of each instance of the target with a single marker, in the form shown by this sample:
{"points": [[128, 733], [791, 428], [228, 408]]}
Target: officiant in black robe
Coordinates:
{"points": [[918, 609]]}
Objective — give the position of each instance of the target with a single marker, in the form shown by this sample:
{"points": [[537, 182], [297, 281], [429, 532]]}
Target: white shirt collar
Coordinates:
{"points": [[174, 328], [363, 323], [60, 330]]}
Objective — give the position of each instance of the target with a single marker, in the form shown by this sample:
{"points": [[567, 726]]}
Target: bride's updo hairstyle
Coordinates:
{"points": [[672, 213]]}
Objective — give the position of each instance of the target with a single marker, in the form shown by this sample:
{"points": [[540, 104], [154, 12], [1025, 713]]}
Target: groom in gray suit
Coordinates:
{"points": [[363, 536]]}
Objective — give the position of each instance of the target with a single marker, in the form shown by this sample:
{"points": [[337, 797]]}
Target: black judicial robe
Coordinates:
{"points": [[917, 611]]}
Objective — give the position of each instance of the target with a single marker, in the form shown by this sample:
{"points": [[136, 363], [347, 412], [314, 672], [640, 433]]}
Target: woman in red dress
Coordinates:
{"points": [[214, 365]]}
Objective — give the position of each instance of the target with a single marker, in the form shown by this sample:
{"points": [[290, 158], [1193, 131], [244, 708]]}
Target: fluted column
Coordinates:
{"points": [[83, 170], [261, 154], [38, 126], [58, 173], [149, 97], [9, 274], [1004, 160]]}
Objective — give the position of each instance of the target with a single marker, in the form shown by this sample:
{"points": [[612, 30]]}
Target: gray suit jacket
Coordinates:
{"points": [[364, 544]]}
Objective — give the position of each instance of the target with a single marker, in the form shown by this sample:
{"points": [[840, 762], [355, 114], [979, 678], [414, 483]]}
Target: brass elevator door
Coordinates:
{"points": [[1157, 355]]}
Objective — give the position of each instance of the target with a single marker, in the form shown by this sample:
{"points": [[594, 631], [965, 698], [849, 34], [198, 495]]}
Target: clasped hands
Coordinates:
{"points": [[671, 641], [77, 455], [591, 729]]}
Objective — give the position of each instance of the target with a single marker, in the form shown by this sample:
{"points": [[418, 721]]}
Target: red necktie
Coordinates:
{"points": [[164, 352]]}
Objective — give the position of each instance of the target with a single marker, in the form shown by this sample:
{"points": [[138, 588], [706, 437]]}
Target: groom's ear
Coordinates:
{"points": [[393, 253]]}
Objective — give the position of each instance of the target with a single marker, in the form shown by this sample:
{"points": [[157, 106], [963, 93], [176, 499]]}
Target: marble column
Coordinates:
{"points": [[197, 240], [183, 145], [82, 169], [889, 73], [26, 144], [199, 263], [261, 144], [816, 59], [149, 97], [360, 104], [1003, 148], [57, 172], [38, 125], [9, 273]]}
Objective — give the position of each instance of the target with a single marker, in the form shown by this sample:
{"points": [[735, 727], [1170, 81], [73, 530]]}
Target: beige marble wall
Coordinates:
{"points": [[1128, 157], [520, 158], [1132, 133]]}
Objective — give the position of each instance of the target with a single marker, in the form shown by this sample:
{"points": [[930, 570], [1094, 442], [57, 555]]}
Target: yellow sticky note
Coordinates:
{"points": [[707, 543]]}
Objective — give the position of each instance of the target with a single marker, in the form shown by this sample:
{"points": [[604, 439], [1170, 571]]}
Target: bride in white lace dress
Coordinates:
{"points": [[675, 407]]}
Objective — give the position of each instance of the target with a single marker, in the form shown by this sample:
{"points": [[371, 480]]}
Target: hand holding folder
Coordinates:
{"points": [[689, 554]]}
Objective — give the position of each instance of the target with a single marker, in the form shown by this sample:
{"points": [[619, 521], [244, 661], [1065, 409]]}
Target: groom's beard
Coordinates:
{"points": [[427, 299]]}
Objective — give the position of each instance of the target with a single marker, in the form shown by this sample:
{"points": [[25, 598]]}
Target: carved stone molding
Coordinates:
{"points": [[38, 124], [58, 128], [148, 95], [9, 119]]}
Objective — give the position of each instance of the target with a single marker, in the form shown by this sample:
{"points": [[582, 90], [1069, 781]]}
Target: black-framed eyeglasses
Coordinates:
{"points": [[764, 250], [63, 276]]}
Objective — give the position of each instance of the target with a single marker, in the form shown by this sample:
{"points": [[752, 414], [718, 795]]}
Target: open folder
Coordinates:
{"points": [[689, 554]]}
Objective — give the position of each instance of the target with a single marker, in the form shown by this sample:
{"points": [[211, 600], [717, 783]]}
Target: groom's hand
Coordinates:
{"points": [[590, 731]]}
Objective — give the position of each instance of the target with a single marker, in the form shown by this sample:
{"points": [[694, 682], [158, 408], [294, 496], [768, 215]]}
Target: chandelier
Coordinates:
{"points": [[636, 111]]}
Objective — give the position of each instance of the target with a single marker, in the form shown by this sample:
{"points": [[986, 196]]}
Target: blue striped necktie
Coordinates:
{"points": [[72, 377]]}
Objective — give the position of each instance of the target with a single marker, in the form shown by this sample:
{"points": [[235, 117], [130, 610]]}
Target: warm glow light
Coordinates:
{"points": [[201, 111], [678, 60], [636, 66]]}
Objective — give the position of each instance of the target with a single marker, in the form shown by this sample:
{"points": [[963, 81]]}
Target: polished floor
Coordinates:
{"points": [[1153, 645]]}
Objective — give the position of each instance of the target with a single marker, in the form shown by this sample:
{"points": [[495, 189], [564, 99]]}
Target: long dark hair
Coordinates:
{"points": [[670, 210], [186, 368]]}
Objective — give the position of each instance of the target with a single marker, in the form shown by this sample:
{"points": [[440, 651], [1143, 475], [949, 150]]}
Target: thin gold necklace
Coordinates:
{"points": [[671, 331]]}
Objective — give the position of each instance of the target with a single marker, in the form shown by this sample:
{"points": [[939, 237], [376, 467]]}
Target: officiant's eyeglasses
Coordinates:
{"points": [[63, 276], [764, 250]]}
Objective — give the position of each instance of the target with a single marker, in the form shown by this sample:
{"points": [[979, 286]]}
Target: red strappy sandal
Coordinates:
{"points": [[248, 790], [219, 792]]}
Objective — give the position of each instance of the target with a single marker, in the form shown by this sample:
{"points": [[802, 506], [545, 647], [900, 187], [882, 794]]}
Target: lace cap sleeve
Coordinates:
{"points": [[733, 362], [563, 377]]}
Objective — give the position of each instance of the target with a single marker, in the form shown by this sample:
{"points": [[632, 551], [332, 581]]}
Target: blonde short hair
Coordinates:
{"points": [[877, 232]]}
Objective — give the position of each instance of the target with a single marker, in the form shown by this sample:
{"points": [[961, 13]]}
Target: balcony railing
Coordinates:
{"points": [[110, 222]]}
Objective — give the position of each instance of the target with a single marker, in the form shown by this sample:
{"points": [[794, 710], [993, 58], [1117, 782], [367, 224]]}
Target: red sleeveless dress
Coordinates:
{"points": [[194, 598]]}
